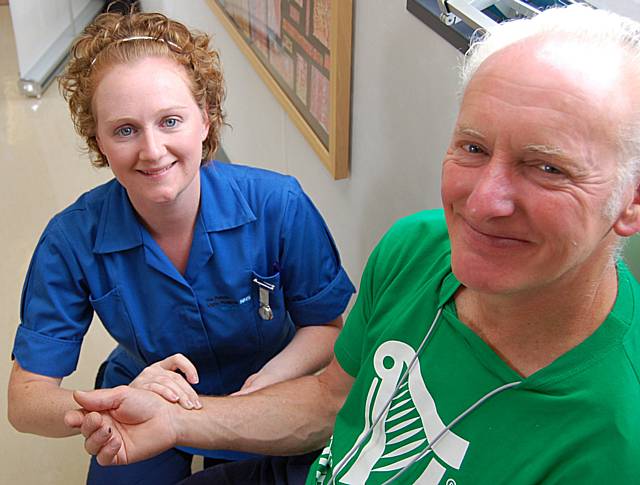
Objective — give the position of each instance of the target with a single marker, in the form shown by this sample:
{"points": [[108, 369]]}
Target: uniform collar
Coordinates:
{"points": [[222, 204], [118, 227], [222, 207]]}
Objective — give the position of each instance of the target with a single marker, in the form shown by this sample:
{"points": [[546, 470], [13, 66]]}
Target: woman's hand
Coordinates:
{"points": [[260, 379], [162, 378], [310, 350]]}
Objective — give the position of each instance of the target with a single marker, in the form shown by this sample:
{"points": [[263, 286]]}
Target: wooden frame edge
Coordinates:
{"points": [[336, 158]]}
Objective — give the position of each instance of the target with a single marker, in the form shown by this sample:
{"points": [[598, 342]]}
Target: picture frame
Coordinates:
{"points": [[302, 51]]}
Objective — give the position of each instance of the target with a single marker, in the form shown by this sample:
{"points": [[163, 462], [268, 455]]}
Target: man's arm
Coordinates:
{"points": [[125, 425], [310, 350]]}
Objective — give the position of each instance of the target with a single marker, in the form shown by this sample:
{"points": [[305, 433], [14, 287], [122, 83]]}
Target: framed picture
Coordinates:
{"points": [[302, 51]]}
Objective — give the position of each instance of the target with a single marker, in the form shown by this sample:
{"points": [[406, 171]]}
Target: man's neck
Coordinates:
{"points": [[530, 330]]}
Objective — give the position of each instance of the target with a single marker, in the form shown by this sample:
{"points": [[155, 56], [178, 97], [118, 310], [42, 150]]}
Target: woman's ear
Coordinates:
{"points": [[628, 222], [205, 125], [99, 143]]}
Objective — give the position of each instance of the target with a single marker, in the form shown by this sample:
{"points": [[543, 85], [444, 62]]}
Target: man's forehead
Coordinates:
{"points": [[560, 74], [596, 66]]}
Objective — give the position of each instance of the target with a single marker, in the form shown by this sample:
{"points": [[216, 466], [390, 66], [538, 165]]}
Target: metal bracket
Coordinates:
{"points": [[471, 11]]}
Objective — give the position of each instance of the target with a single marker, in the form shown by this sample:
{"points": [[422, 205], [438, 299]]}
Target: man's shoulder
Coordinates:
{"points": [[414, 252], [421, 233]]}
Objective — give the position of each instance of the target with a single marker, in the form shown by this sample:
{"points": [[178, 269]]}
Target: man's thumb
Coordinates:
{"points": [[101, 399]]}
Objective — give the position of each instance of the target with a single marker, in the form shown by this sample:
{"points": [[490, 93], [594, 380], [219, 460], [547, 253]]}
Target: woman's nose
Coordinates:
{"points": [[152, 148]]}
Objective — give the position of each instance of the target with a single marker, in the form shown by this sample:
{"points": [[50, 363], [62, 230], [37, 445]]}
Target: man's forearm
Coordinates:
{"points": [[288, 418]]}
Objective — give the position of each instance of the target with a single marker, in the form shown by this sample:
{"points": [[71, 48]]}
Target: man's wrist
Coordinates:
{"points": [[193, 427], [181, 419]]}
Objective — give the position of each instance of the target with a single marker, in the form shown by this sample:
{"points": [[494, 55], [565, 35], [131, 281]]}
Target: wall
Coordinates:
{"points": [[43, 171], [403, 105], [38, 24], [403, 108], [630, 8]]}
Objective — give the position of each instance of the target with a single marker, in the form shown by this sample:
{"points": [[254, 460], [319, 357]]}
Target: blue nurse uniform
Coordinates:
{"points": [[96, 256]]}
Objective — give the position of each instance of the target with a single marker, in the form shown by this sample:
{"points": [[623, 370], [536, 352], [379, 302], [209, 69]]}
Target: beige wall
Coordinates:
{"points": [[403, 102], [403, 108], [404, 85], [43, 171]]}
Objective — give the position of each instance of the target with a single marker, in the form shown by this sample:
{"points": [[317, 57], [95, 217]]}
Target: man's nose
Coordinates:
{"points": [[493, 194], [153, 147]]}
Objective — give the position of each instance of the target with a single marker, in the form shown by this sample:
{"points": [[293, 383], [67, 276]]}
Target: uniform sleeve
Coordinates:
{"points": [[55, 311], [317, 288]]}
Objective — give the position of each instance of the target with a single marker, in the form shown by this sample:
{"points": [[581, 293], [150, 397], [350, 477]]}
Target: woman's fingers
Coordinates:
{"points": [[163, 379], [175, 389], [181, 363], [162, 390]]}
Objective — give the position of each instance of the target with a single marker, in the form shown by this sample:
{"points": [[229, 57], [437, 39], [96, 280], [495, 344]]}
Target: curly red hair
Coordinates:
{"points": [[103, 44]]}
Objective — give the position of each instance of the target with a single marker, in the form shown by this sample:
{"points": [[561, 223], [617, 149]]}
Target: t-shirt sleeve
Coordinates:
{"points": [[394, 255], [317, 288], [349, 345], [55, 311]]}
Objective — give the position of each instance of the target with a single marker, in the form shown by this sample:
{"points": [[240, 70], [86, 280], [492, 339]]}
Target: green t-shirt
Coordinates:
{"points": [[576, 421]]}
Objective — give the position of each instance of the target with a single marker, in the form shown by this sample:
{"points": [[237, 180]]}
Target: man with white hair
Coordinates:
{"points": [[496, 341]]}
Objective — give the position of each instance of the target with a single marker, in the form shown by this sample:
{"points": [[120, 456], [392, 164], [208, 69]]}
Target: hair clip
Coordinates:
{"points": [[141, 37]]}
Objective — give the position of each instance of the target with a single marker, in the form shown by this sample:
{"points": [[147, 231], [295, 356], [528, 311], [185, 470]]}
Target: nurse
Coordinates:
{"points": [[225, 273]]}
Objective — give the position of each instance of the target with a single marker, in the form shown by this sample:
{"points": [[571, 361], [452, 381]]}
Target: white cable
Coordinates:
{"points": [[345, 459], [440, 435]]}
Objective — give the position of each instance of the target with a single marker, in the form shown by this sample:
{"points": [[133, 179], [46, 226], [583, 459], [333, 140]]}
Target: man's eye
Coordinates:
{"points": [[550, 169], [124, 131], [472, 148]]}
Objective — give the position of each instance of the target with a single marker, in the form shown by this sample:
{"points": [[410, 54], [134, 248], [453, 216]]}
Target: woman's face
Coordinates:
{"points": [[150, 129]]}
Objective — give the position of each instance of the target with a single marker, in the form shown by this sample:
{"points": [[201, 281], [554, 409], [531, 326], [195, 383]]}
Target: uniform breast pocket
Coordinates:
{"points": [[273, 322], [113, 314]]}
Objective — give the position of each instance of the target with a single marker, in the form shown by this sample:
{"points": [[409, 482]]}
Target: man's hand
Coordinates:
{"points": [[123, 425], [162, 379]]}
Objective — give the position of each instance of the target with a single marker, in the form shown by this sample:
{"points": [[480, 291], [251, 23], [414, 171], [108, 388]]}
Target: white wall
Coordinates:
{"points": [[39, 23], [630, 8], [404, 103], [403, 109]]}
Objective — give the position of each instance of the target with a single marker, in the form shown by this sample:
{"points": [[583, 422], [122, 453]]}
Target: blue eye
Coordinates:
{"points": [[550, 169], [472, 148], [124, 131], [171, 122]]}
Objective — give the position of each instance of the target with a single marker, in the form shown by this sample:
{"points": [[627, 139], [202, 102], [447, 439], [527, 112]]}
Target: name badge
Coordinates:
{"points": [[264, 290]]}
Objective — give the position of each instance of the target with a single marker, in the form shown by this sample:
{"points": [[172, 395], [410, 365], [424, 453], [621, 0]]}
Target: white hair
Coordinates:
{"points": [[594, 27]]}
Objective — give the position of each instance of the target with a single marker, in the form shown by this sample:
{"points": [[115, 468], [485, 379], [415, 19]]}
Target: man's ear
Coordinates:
{"points": [[628, 222]]}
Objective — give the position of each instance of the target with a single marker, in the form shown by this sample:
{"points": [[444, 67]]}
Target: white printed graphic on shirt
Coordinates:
{"points": [[416, 430]]}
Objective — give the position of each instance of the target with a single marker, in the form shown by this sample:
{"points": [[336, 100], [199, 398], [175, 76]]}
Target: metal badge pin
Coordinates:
{"points": [[265, 311]]}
